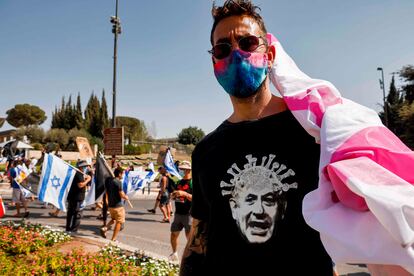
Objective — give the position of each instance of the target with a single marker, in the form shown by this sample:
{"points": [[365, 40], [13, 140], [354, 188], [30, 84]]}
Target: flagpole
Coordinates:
{"points": [[112, 173], [76, 169], [106, 164]]}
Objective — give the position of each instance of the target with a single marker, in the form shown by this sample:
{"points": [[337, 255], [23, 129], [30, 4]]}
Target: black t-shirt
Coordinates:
{"points": [[249, 180], [113, 186], [183, 205], [76, 193]]}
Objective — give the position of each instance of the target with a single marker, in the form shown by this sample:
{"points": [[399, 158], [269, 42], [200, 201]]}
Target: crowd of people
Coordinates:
{"points": [[112, 203]]}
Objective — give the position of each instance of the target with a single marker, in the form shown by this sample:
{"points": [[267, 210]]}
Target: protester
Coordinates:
{"points": [[160, 193], [182, 198], [247, 205], [76, 196], [18, 197], [164, 196], [114, 195]]}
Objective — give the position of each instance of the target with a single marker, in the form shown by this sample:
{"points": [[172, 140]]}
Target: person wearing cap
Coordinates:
{"points": [[182, 197], [76, 196]]}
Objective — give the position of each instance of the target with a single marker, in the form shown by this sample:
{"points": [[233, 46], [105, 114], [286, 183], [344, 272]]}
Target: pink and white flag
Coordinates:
{"points": [[364, 204]]}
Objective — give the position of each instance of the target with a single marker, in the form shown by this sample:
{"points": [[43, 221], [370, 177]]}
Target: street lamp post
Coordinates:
{"points": [[382, 85], [116, 30]]}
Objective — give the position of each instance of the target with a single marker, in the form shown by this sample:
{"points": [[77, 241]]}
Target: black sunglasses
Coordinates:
{"points": [[248, 44]]}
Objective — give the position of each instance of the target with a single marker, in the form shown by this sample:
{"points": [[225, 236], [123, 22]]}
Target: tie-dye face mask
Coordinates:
{"points": [[241, 73]]}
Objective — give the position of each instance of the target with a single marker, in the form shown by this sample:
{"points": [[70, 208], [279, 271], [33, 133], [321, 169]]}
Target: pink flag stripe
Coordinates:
{"points": [[315, 99], [380, 188], [380, 145]]}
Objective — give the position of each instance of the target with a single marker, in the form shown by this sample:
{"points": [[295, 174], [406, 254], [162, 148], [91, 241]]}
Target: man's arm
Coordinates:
{"points": [[194, 252], [179, 193], [85, 181], [123, 195]]}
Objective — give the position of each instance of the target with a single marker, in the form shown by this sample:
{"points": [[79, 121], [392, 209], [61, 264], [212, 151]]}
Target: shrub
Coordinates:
{"points": [[97, 141], [37, 146], [58, 136], [27, 249], [24, 238], [136, 150]]}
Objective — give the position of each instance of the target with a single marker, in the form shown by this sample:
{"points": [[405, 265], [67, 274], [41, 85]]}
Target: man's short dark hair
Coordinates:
{"points": [[238, 8], [118, 171]]}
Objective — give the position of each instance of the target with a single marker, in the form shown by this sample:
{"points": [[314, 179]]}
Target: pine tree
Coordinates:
{"points": [[104, 112]]}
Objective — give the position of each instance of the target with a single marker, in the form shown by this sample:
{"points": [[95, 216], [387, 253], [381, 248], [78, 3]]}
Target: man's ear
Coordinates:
{"points": [[271, 55], [233, 207]]}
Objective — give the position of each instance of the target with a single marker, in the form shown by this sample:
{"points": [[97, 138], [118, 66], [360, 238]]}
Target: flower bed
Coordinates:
{"points": [[31, 249]]}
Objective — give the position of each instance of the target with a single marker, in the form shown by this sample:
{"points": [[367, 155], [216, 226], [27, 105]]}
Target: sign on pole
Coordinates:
{"points": [[114, 141], [85, 150]]}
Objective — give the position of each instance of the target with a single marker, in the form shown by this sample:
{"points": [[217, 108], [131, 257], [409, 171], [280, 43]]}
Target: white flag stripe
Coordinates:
{"points": [[90, 194], [135, 180], [169, 165], [51, 189]]}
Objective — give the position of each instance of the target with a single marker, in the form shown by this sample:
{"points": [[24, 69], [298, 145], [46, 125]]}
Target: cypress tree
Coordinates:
{"points": [[78, 113], [104, 112], [394, 104]]}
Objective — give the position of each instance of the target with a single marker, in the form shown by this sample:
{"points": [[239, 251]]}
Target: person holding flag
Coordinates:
{"points": [[18, 197], [76, 196], [168, 168]]}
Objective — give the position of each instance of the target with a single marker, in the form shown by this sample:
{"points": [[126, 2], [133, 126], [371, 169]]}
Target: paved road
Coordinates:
{"points": [[142, 229]]}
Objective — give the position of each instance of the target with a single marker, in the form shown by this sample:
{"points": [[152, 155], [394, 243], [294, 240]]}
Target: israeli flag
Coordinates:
{"points": [[151, 167], [55, 181], [90, 194], [135, 180], [169, 165]]}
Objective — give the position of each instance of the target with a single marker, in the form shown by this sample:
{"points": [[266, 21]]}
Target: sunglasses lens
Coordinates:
{"points": [[221, 51], [249, 43]]}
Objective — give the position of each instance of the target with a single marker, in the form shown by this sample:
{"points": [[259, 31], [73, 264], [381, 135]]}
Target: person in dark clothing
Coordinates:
{"points": [[114, 196], [76, 197], [182, 198], [249, 177]]}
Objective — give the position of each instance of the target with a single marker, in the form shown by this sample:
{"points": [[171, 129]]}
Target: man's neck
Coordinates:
{"points": [[258, 106]]}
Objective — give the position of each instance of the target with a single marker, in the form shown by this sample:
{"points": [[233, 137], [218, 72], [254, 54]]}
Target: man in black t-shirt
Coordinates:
{"points": [[75, 198], [114, 196], [182, 198], [250, 175]]}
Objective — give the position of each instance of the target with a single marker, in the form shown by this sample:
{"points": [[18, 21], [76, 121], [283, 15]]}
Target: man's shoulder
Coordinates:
{"points": [[117, 181], [209, 139]]}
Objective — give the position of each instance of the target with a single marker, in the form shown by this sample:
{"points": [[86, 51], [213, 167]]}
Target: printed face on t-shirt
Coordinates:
{"points": [[256, 196], [255, 210]]}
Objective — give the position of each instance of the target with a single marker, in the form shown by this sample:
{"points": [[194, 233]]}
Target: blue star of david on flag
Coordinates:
{"points": [[55, 182], [135, 181]]}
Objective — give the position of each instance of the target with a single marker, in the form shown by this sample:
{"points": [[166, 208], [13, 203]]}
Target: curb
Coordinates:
{"points": [[120, 245]]}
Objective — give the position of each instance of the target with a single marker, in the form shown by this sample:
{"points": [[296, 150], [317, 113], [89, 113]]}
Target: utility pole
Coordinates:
{"points": [[382, 85], [116, 30]]}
